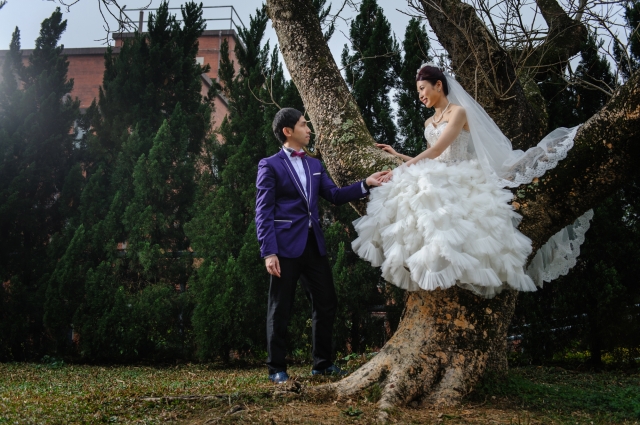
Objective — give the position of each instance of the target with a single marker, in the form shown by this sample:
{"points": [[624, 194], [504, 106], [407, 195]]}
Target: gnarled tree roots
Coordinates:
{"points": [[445, 342]]}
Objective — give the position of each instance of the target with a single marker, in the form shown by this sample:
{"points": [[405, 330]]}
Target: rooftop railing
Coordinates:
{"points": [[233, 17]]}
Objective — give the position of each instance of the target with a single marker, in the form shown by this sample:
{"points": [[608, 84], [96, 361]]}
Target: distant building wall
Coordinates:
{"points": [[209, 45], [86, 66]]}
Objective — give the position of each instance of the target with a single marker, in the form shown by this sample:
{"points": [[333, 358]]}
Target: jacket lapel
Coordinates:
{"points": [[307, 169], [292, 174]]}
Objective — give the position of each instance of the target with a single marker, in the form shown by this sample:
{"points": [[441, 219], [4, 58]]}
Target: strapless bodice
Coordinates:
{"points": [[457, 151]]}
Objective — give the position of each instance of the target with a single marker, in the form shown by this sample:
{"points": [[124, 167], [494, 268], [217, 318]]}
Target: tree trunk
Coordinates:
{"points": [[439, 351], [447, 339]]}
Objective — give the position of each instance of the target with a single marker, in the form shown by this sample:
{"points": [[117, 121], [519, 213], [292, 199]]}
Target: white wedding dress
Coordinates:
{"points": [[440, 223]]}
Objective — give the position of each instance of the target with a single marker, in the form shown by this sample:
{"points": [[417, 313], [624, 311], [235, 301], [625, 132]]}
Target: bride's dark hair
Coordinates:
{"points": [[433, 75]]}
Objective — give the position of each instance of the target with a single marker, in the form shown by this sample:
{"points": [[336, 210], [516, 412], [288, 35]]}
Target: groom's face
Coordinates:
{"points": [[299, 134]]}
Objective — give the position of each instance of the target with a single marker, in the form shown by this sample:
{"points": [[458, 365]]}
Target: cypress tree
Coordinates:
{"points": [[560, 99], [371, 68], [413, 113], [593, 307], [231, 283], [629, 62], [367, 314], [241, 131], [36, 159], [571, 104], [146, 133], [323, 16], [594, 78], [372, 71]]}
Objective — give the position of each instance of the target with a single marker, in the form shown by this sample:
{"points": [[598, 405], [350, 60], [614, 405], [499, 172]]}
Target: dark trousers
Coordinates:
{"points": [[314, 272]]}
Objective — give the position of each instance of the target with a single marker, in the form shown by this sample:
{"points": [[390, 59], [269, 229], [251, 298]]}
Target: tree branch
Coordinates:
{"points": [[120, 17], [483, 68], [564, 39], [603, 158]]}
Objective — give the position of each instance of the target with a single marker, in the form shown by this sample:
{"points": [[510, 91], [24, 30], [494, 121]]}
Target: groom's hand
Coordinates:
{"points": [[273, 265]]}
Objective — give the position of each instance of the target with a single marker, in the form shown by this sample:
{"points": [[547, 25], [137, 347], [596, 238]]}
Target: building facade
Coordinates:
{"points": [[86, 66]]}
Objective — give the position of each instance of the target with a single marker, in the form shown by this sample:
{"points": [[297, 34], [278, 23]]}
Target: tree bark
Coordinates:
{"points": [[341, 134], [447, 339], [564, 39]]}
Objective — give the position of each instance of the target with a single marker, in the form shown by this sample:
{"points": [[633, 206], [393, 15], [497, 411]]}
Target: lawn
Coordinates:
{"points": [[56, 393]]}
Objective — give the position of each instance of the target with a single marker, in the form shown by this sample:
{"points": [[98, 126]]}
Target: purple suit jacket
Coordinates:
{"points": [[282, 209]]}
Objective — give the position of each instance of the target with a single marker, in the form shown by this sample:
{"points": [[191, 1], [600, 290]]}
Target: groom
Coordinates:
{"points": [[291, 241]]}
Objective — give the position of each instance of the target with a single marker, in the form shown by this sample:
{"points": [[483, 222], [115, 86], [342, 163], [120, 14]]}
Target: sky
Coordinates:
{"points": [[85, 27]]}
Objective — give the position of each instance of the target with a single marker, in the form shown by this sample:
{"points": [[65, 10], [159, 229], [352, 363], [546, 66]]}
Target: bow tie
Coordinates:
{"points": [[298, 154]]}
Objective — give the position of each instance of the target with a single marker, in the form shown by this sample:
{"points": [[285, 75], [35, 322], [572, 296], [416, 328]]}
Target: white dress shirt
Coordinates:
{"points": [[298, 165]]}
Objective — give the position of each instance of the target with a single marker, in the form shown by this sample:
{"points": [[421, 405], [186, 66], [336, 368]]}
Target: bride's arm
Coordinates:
{"points": [[392, 151], [456, 122], [403, 157]]}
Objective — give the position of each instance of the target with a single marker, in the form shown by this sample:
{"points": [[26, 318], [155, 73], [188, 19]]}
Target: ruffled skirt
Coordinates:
{"points": [[435, 225]]}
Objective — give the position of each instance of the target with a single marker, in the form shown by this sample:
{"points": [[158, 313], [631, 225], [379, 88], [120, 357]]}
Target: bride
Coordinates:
{"points": [[444, 217]]}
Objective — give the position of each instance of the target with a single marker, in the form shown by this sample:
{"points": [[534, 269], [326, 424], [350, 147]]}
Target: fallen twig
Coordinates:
{"points": [[184, 398]]}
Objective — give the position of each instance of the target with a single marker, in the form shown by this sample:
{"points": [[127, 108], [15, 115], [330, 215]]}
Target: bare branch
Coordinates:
{"points": [[337, 16], [384, 55], [362, 57], [109, 8]]}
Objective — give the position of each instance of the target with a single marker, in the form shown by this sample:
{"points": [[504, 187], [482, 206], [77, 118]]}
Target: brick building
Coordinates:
{"points": [[86, 66]]}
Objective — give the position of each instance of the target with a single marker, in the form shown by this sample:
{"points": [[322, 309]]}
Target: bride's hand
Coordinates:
{"points": [[385, 178], [387, 148], [375, 179]]}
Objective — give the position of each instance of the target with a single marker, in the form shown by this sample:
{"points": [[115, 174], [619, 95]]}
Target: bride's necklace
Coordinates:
{"points": [[442, 114]]}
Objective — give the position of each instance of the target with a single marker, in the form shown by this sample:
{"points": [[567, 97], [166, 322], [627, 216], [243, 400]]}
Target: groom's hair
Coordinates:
{"points": [[433, 75], [286, 117]]}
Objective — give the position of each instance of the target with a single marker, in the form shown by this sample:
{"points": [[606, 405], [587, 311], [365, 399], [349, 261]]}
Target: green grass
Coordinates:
{"points": [[72, 394], [56, 393], [610, 397]]}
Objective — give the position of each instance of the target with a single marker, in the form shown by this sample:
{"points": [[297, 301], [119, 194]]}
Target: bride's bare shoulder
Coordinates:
{"points": [[457, 109], [460, 115]]}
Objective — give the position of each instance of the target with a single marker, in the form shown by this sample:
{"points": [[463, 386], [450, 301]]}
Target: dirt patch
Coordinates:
{"points": [[288, 407], [301, 412], [527, 396]]}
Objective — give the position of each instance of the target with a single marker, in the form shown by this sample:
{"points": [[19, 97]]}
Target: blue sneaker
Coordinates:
{"points": [[279, 377], [331, 370]]}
